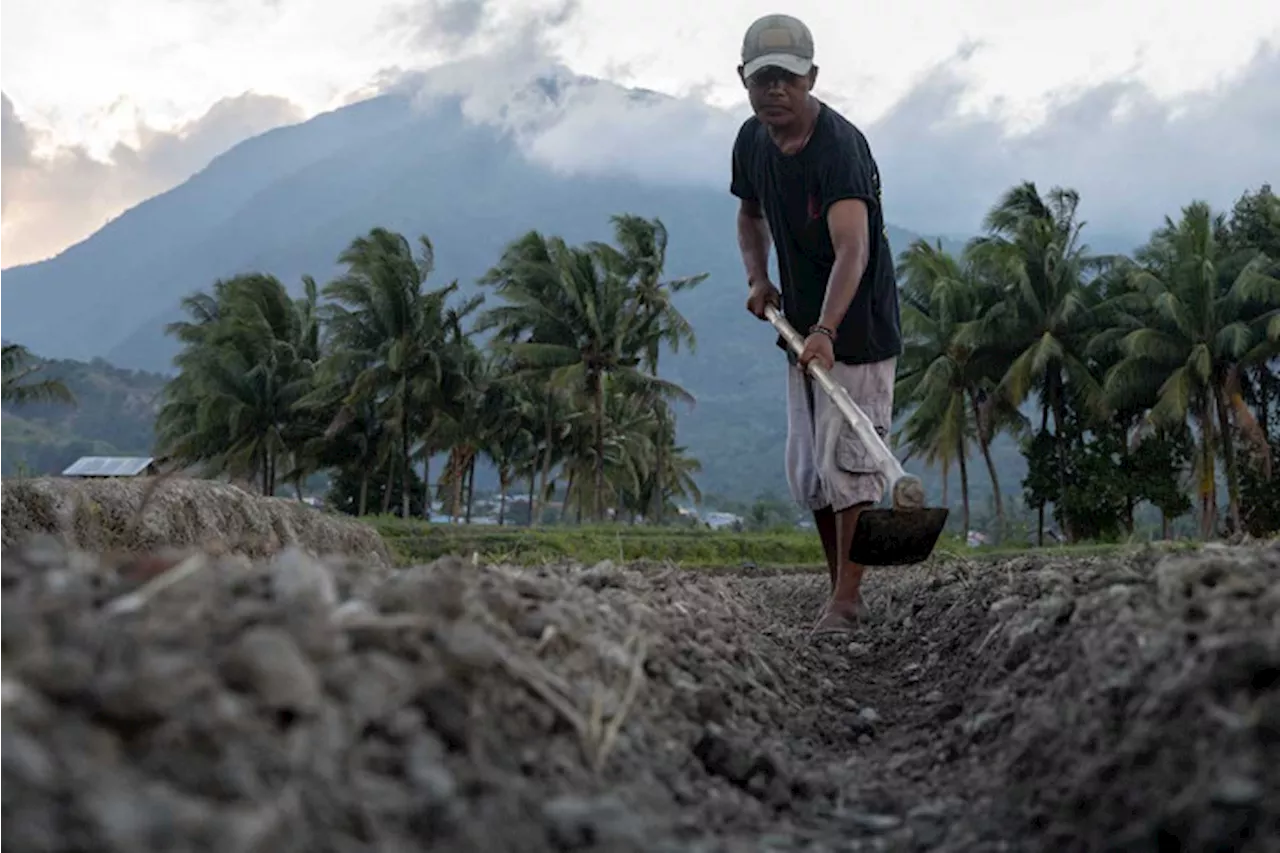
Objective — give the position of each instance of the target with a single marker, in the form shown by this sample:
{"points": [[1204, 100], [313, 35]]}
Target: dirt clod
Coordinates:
{"points": [[298, 703]]}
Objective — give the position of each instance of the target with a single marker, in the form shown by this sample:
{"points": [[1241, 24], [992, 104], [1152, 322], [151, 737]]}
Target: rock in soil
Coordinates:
{"points": [[292, 704]]}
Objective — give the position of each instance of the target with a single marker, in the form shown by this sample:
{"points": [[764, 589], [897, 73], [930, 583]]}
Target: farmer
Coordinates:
{"points": [[805, 177]]}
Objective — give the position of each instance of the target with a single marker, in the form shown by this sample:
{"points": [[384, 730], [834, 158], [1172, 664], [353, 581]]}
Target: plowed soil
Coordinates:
{"points": [[290, 704]]}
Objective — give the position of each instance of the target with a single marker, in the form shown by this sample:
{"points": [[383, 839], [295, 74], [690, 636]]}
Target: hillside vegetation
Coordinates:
{"points": [[57, 410]]}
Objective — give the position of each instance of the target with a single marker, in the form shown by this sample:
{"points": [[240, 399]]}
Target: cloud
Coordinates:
{"points": [[50, 199], [1133, 157], [16, 142], [454, 29], [510, 77], [443, 24]]}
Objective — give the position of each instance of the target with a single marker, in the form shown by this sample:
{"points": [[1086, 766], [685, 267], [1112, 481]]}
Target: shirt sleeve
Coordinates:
{"points": [[849, 173], [740, 185]]}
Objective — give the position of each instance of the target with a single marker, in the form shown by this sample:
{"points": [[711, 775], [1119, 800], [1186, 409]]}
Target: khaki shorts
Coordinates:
{"points": [[827, 464]]}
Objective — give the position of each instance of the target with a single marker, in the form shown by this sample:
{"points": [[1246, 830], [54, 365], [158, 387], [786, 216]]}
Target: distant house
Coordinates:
{"points": [[112, 466], [723, 520]]}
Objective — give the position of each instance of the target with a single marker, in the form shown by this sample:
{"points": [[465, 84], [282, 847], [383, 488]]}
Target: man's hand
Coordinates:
{"points": [[817, 347], [763, 293]]}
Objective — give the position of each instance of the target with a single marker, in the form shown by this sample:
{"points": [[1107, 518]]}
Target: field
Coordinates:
{"points": [[415, 541], [1124, 700]]}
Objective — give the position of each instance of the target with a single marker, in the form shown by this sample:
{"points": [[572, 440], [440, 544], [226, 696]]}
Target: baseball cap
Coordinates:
{"points": [[779, 40]]}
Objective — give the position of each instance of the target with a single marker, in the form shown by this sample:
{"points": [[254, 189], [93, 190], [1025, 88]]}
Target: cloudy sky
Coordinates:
{"points": [[1140, 104]]}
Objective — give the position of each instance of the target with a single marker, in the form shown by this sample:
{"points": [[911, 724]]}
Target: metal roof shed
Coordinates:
{"points": [[111, 466]]}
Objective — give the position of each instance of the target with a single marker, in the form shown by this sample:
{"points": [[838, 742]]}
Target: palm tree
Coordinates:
{"points": [[1187, 331], [940, 372], [641, 439], [571, 318], [466, 418], [381, 318], [507, 413], [248, 359], [1040, 327], [640, 258]]}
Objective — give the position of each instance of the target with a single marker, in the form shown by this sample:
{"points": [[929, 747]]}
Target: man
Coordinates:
{"points": [[806, 179]]}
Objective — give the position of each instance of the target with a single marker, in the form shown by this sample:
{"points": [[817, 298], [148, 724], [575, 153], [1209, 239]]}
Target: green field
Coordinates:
{"points": [[417, 541]]}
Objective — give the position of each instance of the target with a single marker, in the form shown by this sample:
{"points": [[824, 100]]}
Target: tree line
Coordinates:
{"points": [[1149, 378], [374, 374]]}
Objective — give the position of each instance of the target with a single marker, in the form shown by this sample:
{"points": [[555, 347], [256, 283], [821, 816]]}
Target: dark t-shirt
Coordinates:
{"points": [[795, 192]]}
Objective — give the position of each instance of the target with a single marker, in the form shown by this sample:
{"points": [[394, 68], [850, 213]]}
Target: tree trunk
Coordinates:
{"points": [[1060, 444], [599, 495], [471, 485], [504, 479], [1229, 461], [533, 480], [964, 485], [426, 482], [660, 497], [946, 482], [363, 505], [1164, 525], [1130, 501], [405, 461], [390, 484], [991, 471], [1044, 424], [1265, 378], [534, 515], [455, 502], [564, 500], [1208, 482]]}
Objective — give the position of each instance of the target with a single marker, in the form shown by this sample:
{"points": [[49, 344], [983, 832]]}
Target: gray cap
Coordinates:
{"points": [[779, 40]]}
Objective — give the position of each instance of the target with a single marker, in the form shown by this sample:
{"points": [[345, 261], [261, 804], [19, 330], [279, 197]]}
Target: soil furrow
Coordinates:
{"points": [[320, 705]]}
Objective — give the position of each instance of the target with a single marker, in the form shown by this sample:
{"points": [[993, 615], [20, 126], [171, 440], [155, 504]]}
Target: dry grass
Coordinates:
{"points": [[143, 515]]}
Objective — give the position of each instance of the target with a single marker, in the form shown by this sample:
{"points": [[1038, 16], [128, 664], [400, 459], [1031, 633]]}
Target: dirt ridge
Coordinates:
{"points": [[299, 703]]}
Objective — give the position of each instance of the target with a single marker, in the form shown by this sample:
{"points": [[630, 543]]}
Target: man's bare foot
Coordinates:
{"points": [[840, 617]]}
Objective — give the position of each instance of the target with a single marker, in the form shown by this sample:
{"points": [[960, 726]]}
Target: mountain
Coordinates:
{"points": [[288, 201], [114, 415]]}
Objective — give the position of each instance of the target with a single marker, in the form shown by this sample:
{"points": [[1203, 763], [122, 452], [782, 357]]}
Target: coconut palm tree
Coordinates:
{"points": [[249, 358], [1187, 332], [950, 383], [640, 257], [1041, 325], [571, 318], [381, 318]]}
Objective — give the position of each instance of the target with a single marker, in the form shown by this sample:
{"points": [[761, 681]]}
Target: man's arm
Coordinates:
{"points": [[753, 231], [753, 240], [848, 223]]}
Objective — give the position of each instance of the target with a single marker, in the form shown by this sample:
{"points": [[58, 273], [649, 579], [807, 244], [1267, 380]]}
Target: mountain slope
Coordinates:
{"points": [[287, 202], [114, 415]]}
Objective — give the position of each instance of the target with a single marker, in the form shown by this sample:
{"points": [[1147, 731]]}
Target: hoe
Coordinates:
{"points": [[907, 531]]}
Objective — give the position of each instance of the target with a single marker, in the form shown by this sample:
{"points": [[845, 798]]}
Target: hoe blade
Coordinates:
{"points": [[896, 537]]}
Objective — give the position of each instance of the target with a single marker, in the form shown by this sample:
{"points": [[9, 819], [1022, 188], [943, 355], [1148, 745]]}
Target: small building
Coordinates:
{"points": [[112, 466], [722, 521]]}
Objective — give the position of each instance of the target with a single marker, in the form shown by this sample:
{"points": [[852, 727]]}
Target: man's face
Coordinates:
{"points": [[777, 96]]}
